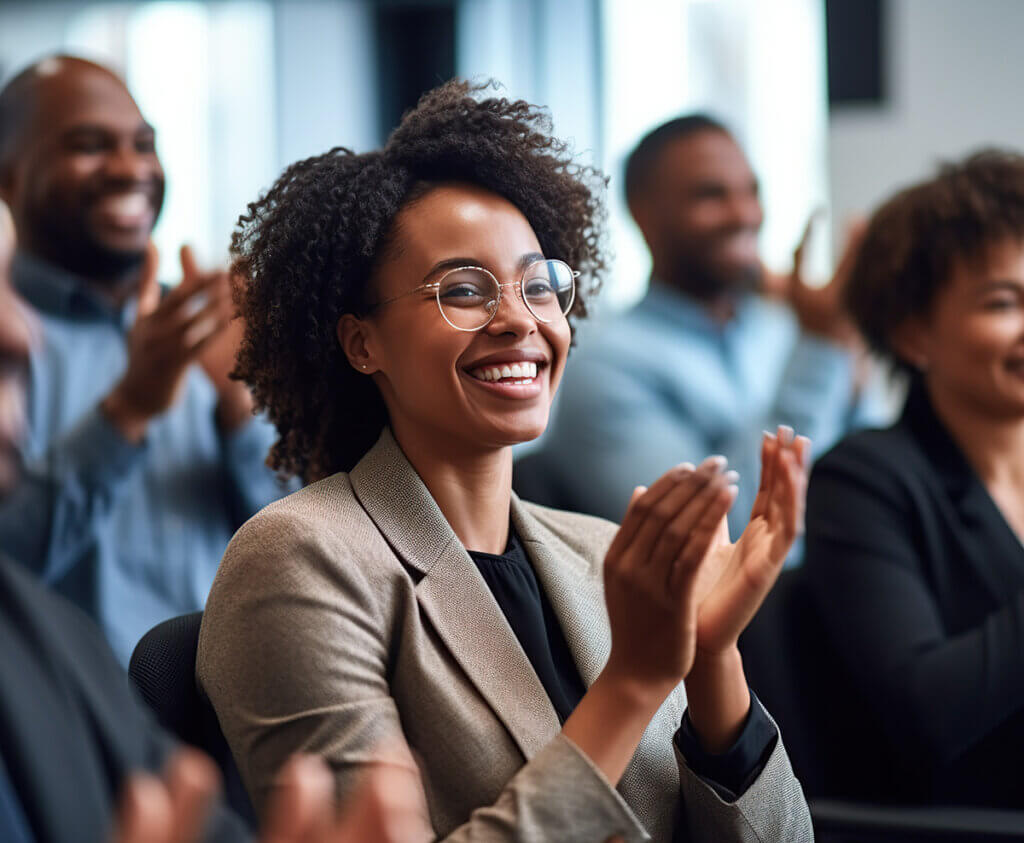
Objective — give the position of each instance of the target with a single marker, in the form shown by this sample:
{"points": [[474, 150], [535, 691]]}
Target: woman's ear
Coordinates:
{"points": [[910, 342], [354, 339]]}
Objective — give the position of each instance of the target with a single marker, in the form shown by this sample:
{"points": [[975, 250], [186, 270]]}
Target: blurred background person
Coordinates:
{"points": [[142, 456], [71, 728], [73, 733], [914, 533], [704, 362]]}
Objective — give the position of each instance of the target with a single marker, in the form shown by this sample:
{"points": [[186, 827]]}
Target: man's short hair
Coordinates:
{"points": [[917, 239], [644, 157]]}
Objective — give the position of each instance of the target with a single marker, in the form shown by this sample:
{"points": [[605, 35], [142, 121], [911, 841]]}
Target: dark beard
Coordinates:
{"points": [[705, 282], [69, 246]]}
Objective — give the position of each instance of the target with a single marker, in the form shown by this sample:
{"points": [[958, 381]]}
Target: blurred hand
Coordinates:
{"points": [[168, 335], [819, 309], [172, 809], [218, 356], [652, 569], [736, 578], [387, 808]]}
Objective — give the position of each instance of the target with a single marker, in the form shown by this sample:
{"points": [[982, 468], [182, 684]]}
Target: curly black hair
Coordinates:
{"points": [[304, 254], [917, 238]]}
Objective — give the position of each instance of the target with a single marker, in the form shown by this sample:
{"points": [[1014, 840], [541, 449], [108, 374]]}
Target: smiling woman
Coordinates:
{"points": [[914, 533], [409, 314]]}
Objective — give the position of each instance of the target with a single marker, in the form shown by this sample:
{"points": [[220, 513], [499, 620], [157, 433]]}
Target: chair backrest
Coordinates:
{"points": [[163, 669]]}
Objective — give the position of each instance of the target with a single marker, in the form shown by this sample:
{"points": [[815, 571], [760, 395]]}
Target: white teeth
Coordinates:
{"points": [[518, 373], [127, 204]]}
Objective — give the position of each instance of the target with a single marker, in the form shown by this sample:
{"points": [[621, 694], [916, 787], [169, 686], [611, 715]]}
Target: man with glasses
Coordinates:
{"points": [[142, 455], [706, 361]]}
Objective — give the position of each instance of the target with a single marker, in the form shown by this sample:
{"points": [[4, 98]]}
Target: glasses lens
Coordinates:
{"points": [[467, 298], [549, 289]]}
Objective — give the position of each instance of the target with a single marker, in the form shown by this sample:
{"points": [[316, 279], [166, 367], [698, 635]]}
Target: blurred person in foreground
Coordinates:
{"points": [[73, 732], [706, 361], [554, 676], [142, 456], [914, 533]]}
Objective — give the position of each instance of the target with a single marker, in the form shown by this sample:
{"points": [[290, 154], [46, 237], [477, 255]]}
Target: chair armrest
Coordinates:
{"points": [[850, 822]]}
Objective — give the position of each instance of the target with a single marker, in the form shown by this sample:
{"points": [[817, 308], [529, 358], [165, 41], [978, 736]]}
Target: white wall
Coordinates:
{"points": [[956, 75]]}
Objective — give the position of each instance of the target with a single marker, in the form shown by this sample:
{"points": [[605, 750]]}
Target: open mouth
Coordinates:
{"points": [[126, 210], [513, 374]]}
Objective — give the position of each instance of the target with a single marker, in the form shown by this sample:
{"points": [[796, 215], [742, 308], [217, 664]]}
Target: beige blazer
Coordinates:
{"points": [[349, 613]]}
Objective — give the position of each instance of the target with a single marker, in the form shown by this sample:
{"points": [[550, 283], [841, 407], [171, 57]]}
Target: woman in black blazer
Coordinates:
{"points": [[914, 550]]}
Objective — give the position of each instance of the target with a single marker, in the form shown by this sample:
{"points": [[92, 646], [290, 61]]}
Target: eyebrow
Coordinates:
{"points": [[97, 129], [455, 263], [990, 284]]}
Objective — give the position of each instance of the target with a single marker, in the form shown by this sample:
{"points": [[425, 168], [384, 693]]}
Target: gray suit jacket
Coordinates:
{"points": [[349, 615]]}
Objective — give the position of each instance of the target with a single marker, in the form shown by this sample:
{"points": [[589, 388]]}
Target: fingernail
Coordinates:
{"points": [[733, 490], [718, 462], [685, 466], [785, 434], [731, 477]]}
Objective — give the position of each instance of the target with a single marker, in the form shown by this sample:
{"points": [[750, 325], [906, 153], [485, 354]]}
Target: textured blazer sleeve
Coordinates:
{"points": [[294, 657], [773, 808]]}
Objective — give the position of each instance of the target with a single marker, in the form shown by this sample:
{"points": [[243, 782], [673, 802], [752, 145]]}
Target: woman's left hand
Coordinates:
{"points": [[743, 573]]}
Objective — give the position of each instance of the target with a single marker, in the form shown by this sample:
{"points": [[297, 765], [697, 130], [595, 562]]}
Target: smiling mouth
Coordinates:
{"points": [[515, 374], [127, 210]]}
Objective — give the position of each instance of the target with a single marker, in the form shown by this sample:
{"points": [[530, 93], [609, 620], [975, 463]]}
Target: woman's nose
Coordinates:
{"points": [[512, 315]]}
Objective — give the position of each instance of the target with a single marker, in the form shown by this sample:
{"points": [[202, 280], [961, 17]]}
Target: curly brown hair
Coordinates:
{"points": [[304, 254], [915, 241]]}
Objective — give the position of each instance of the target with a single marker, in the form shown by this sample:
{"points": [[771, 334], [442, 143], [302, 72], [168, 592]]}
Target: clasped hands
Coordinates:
{"points": [[676, 588], [194, 323]]}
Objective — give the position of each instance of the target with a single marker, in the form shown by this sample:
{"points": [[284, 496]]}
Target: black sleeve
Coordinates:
{"points": [[936, 694], [730, 773]]}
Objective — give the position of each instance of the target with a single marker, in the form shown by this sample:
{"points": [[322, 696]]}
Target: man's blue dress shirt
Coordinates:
{"points": [[664, 383], [131, 533]]}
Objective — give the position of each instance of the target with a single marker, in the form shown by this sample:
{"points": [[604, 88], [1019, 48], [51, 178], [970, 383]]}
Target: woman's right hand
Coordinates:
{"points": [[651, 568]]}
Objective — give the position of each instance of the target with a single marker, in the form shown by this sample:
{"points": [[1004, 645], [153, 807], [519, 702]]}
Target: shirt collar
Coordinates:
{"points": [[687, 313], [53, 290]]}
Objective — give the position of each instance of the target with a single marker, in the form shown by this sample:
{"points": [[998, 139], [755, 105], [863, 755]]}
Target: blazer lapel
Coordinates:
{"points": [[989, 543], [574, 588], [453, 594]]}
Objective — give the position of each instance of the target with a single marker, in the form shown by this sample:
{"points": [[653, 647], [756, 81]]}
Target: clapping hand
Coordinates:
{"points": [[736, 578], [218, 356], [819, 309]]}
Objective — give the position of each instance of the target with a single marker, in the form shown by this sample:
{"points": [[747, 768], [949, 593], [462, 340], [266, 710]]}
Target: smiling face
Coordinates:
{"points": [[85, 185], [701, 215], [971, 344], [474, 390]]}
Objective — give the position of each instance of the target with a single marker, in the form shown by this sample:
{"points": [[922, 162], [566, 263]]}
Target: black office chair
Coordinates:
{"points": [[163, 668], [833, 740]]}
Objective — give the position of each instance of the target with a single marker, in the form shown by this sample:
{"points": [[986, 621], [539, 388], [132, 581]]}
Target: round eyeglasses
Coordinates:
{"points": [[469, 296]]}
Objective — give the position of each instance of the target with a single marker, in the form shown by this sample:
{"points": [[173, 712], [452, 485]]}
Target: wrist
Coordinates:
{"points": [[130, 420], [234, 406], [718, 698], [635, 689]]}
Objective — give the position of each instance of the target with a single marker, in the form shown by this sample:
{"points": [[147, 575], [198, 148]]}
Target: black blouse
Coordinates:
{"points": [[512, 581]]}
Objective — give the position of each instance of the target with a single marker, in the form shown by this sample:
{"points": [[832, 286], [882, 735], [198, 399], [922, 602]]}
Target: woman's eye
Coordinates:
{"points": [[462, 291], [538, 288]]}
